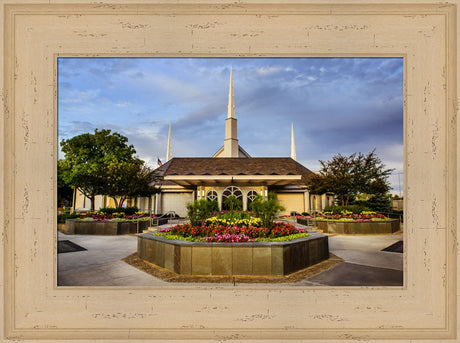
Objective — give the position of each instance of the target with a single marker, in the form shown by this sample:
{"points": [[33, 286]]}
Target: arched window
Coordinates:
{"points": [[235, 192], [252, 195], [211, 195]]}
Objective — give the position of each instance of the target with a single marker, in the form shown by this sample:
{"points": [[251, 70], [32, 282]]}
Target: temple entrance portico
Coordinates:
{"points": [[245, 193]]}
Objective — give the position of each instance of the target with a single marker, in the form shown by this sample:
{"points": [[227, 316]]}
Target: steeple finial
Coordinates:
{"points": [[231, 100], [168, 150], [293, 155]]}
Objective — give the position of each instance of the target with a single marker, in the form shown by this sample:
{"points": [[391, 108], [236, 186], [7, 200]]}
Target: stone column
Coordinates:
{"points": [[245, 201], [324, 201], [219, 198], [158, 203], [306, 201]]}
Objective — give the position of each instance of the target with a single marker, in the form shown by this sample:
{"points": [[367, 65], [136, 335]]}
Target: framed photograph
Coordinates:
{"points": [[36, 35]]}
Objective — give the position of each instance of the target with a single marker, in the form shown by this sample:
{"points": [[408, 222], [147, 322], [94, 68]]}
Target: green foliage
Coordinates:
{"points": [[380, 203], [175, 237], [348, 176], [232, 203], [355, 209], [266, 210], [61, 218], [283, 238], [64, 191], [199, 210], [103, 163], [129, 211]]}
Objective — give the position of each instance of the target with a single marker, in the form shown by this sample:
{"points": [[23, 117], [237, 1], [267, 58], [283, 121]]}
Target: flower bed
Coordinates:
{"points": [[347, 216], [116, 216], [231, 234]]}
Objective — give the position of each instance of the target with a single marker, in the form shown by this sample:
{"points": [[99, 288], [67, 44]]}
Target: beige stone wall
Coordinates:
{"points": [[176, 202], [291, 202]]}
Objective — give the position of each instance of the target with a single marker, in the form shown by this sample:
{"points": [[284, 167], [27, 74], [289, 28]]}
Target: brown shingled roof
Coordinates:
{"points": [[234, 166]]}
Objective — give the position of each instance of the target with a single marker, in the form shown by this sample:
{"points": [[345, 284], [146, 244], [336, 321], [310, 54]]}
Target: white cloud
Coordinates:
{"points": [[268, 70]]}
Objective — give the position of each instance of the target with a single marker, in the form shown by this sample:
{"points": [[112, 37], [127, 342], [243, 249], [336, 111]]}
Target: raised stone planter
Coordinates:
{"points": [[234, 259], [380, 227], [79, 227]]}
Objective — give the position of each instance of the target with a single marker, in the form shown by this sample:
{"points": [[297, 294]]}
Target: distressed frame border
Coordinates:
{"points": [[35, 34]]}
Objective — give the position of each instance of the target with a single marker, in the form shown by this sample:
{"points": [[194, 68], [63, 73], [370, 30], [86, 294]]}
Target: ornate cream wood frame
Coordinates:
{"points": [[36, 33]]}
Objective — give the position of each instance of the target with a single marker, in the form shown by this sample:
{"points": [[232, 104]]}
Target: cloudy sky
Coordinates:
{"points": [[337, 105]]}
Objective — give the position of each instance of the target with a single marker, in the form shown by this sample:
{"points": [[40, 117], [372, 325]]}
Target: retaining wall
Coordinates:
{"points": [[235, 259], [378, 227], [80, 227]]}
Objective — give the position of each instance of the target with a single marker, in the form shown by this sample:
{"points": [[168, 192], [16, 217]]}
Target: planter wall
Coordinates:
{"points": [[78, 227], [383, 227], [233, 259]]}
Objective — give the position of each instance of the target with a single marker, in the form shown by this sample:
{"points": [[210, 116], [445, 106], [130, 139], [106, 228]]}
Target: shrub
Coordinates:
{"points": [[232, 203], [355, 209], [266, 210], [129, 211], [379, 203], [199, 210], [61, 218], [108, 210]]}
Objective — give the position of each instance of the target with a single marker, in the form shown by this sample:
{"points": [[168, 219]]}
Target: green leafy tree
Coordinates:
{"points": [[348, 176], [266, 210], [65, 192], [102, 163]]}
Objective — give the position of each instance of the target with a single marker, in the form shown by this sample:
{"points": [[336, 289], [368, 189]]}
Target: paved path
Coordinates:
{"points": [[365, 263], [101, 265]]}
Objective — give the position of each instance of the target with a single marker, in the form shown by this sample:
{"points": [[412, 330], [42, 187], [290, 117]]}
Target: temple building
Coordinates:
{"points": [[232, 171]]}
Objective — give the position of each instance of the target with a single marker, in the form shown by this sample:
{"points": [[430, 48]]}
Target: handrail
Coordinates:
{"points": [[170, 213]]}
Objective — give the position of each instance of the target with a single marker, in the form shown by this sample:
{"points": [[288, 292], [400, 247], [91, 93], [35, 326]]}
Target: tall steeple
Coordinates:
{"points": [[293, 155], [231, 100], [231, 134], [168, 150]]}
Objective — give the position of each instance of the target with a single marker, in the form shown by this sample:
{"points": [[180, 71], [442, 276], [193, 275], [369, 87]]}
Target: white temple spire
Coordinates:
{"points": [[168, 150], [293, 155], [231, 100]]}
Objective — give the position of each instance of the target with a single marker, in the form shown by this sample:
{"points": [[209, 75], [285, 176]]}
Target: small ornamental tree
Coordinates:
{"points": [[348, 176]]}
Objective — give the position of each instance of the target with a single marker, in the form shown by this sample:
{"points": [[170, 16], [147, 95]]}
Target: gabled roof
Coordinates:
{"points": [[241, 151], [281, 170]]}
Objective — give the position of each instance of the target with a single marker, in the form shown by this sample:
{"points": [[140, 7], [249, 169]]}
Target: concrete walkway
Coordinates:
{"points": [[365, 262], [101, 265]]}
